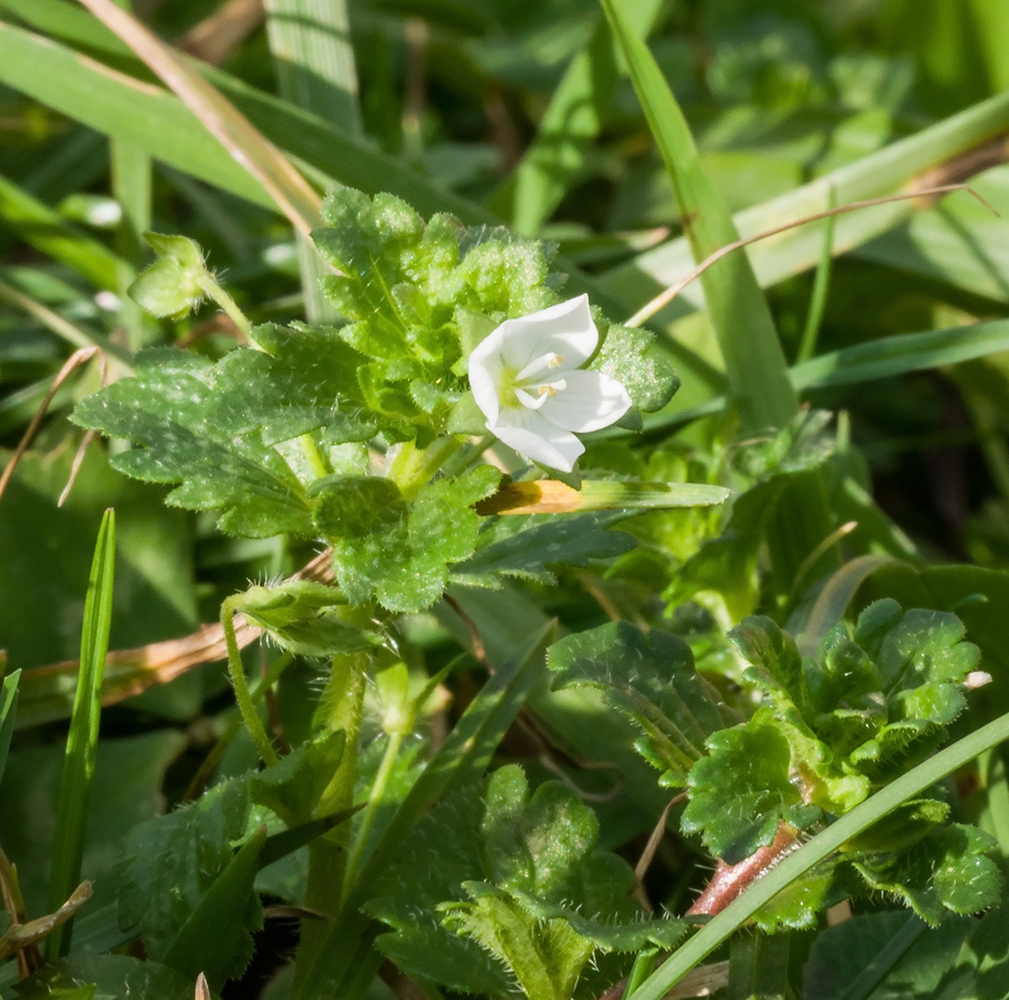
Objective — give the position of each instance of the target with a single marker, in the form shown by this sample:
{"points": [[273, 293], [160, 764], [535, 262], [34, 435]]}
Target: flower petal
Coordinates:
{"points": [[565, 329], [485, 374], [536, 438], [590, 402]]}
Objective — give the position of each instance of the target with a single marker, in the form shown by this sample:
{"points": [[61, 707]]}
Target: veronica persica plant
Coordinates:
{"points": [[526, 379]]}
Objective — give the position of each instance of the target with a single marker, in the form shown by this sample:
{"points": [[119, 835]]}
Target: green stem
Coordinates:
{"points": [[340, 707], [210, 286], [242, 696], [465, 460], [210, 762], [374, 801], [413, 468]]}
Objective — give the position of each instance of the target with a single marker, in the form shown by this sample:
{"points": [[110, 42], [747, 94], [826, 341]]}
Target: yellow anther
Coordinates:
{"points": [[555, 361]]}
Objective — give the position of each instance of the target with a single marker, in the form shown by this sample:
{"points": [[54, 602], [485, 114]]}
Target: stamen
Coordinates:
{"points": [[556, 360], [547, 390]]}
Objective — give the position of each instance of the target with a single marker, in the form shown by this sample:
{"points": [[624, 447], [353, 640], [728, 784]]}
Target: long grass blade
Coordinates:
{"points": [[290, 191], [943, 153], [569, 126], [883, 358], [310, 43], [816, 850], [82, 740], [754, 361], [8, 712]]}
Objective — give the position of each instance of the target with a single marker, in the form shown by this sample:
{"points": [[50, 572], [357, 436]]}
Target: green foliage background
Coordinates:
{"points": [[796, 652]]}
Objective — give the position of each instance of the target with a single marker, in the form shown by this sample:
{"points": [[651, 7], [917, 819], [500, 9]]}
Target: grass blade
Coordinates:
{"points": [[754, 361], [8, 710], [82, 740], [569, 126], [45, 229], [289, 190], [928, 158], [816, 850], [310, 44], [883, 358]]}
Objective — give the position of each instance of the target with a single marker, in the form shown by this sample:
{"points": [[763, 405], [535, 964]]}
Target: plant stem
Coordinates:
{"points": [[412, 468], [341, 706], [209, 285], [242, 696], [374, 801]]}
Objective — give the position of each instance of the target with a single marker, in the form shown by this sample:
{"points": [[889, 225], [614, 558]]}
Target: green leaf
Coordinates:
{"points": [[200, 424], [979, 969], [526, 547], [402, 557], [651, 679], [754, 360], [949, 869], [923, 663], [216, 938], [814, 851], [294, 787], [49, 232], [741, 791], [627, 355], [171, 862], [897, 955], [87, 976], [459, 763], [508, 869], [82, 741]]}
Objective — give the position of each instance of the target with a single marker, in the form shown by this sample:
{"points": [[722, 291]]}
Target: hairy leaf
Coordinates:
{"points": [[171, 862], [520, 875], [652, 680]]}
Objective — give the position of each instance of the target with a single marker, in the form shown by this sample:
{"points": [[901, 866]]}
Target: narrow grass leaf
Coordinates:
{"points": [[45, 229], [885, 357], [754, 361], [82, 740], [8, 710], [908, 785], [314, 61]]}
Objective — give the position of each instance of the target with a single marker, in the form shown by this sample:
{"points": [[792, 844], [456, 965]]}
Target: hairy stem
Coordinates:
{"points": [[242, 696]]}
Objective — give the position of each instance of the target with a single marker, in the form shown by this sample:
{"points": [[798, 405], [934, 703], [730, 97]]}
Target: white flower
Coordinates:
{"points": [[526, 380]]}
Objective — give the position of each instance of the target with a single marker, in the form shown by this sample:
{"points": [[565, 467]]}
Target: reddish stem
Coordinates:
{"points": [[730, 880]]}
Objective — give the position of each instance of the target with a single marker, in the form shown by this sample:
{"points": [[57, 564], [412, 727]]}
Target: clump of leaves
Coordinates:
{"points": [[500, 887], [829, 730], [276, 437]]}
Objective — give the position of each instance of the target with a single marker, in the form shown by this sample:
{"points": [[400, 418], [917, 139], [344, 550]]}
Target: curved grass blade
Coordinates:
{"points": [[754, 361], [816, 850], [82, 740], [289, 190]]}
